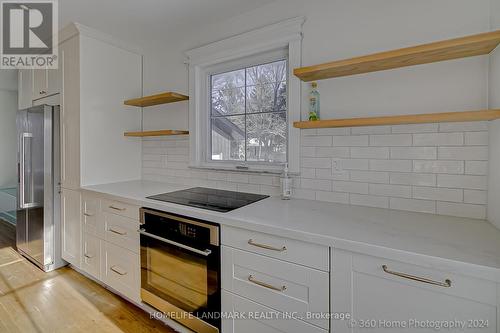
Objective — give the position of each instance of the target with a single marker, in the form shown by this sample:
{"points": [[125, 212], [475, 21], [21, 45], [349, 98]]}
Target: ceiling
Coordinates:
{"points": [[151, 20]]}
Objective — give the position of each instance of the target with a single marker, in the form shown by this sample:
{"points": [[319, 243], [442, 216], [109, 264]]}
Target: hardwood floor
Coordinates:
{"points": [[60, 301]]}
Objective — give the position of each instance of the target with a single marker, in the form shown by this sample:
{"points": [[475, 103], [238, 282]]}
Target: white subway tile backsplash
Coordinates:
{"points": [[479, 153], [316, 184], [370, 176], [371, 130], [370, 152], [316, 141], [350, 141], [433, 193], [464, 127], [401, 191], [423, 206], [338, 152], [463, 181], [355, 164], [391, 165], [451, 167], [476, 168], [438, 139], [350, 187], [461, 210], [419, 179], [369, 200], [332, 197], [476, 138], [415, 128], [316, 162], [414, 153], [433, 168], [334, 131], [391, 140], [476, 197], [237, 177]]}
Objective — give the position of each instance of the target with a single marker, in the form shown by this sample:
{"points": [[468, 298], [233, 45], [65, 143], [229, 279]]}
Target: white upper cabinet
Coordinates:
{"points": [[97, 77], [40, 83]]}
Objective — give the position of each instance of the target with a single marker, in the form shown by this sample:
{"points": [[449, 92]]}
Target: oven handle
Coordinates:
{"points": [[205, 253]]}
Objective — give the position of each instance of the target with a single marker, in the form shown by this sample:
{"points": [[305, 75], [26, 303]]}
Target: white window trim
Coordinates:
{"points": [[284, 35]]}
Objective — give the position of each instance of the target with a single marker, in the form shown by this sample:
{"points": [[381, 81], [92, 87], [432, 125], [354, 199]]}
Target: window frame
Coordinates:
{"points": [[261, 59], [252, 48]]}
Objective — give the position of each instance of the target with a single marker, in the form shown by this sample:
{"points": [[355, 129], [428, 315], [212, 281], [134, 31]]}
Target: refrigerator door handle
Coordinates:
{"points": [[22, 172]]}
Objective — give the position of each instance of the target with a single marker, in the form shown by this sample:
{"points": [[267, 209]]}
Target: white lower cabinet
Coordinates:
{"points": [[70, 227], [91, 255], [121, 231], [255, 317], [280, 285], [385, 295], [121, 270]]}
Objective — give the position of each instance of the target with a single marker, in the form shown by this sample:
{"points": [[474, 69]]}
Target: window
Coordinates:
{"points": [[248, 120], [243, 100]]}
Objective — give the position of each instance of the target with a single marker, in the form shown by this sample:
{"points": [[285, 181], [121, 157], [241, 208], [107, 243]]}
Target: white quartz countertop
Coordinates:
{"points": [[462, 245]]}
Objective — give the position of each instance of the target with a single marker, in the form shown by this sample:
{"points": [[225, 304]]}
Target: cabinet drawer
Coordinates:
{"points": [[280, 285], [120, 208], [121, 231], [291, 250], [90, 214], [410, 277], [234, 304], [120, 270], [91, 255]]}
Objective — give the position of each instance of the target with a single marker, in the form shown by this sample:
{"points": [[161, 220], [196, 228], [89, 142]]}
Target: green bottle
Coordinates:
{"points": [[314, 102]]}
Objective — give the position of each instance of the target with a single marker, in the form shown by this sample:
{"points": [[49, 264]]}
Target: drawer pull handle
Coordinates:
{"points": [[446, 283], [117, 208], [88, 256], [267, 247], [265, 285], [118, 270], [88, 215], [121, 233]]}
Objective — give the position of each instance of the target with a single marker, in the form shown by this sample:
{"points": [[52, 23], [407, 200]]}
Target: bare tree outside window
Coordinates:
{"points": [[249, 114]]}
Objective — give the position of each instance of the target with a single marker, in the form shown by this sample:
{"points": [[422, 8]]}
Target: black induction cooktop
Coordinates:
{"points": [[209, 198]]}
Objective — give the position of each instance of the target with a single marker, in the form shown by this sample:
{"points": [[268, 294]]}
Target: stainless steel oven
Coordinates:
{"points": [[180, 269]]}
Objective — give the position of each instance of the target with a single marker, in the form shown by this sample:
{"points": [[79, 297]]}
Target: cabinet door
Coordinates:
{"points": [[91, 255], [70, 115], [40, 83], [25, 87], [121, 270], [259, 318], [386, 297], [71, 226]]}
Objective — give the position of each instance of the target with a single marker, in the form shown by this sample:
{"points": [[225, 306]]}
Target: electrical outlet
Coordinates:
{"points": [[337, 167]]}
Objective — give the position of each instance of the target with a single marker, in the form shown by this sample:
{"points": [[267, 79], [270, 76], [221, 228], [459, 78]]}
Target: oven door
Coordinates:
{"points": [[181, 281]]}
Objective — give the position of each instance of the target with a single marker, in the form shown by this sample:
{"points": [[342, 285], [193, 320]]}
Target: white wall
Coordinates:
{"points": [[8, 136], [494, 102], [336, 29]]}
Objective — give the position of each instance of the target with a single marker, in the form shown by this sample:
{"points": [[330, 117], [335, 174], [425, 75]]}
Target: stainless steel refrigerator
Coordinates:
{"points": [[38, 209]]}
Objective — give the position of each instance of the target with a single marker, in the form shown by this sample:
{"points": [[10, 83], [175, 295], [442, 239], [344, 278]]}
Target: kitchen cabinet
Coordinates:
{"points": [[70, 226], [235, 304], [97, 77], [381, 294], [25, 88], [91, 255]]}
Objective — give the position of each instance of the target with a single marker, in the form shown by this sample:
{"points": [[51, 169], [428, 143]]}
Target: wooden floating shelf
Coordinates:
{"points": [[427, 53], [405, 119], [163, 98], [156, 133]]}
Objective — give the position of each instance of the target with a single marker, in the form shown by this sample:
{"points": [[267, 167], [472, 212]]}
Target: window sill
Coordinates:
{"points": [[252, 170]]}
